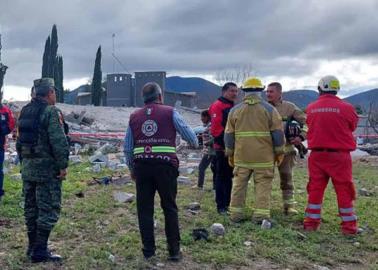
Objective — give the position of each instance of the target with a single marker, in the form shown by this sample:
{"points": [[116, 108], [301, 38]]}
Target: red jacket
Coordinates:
{"points": [[6, 123], [331, 123], [219, 112]]}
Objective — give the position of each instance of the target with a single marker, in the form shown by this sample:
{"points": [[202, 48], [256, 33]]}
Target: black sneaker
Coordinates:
{"points": [[222, 211], [175, 257]]}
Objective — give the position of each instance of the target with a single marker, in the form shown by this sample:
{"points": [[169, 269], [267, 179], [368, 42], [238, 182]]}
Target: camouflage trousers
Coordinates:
{"points": [[42, 203], [286, 180]]}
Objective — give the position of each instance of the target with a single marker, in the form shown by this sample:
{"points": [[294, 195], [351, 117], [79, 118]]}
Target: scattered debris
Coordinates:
{"points": [[301, 236], [75, 159], [218, 229], [123, 197], [356, 244], [248, 243], [183, 180], [266, 224], [79, 194], [200, 234], [96, 168], [364, 192], [111, 258], [194, 206], [98, 157]]}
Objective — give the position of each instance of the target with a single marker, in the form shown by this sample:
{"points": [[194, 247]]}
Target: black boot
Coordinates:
{"points": [[175, 254], [40, 251], [31, 237]]}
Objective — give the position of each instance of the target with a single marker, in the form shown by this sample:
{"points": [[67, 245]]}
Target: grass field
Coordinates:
{"points": [[94, 228]]}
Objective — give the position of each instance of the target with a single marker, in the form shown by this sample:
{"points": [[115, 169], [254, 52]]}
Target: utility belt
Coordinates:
{"points": [[30, 151]]}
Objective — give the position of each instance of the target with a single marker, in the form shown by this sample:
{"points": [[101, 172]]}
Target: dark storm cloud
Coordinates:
{"points": [[283, 38]]}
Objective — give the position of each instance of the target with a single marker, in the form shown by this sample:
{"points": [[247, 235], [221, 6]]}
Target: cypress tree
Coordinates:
{"points": [[45, 60], [96, 81], [53, 51]]}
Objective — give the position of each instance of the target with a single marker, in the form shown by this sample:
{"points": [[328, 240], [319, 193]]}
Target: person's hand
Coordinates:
{"points": [[279, 159], [296, 141], [231, 161], [62, 174], [132, 175]]}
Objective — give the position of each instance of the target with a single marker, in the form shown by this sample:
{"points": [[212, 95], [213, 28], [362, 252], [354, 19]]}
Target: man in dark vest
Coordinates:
{"points": [[150, 150], [43, 151]]}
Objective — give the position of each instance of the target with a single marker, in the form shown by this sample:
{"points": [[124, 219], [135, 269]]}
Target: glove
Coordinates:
{"points": [[231, 161], [279, 158]]}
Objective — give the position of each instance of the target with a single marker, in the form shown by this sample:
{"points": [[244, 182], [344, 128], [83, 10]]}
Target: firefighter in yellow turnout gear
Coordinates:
{"points": [[288, 111], [254, 140]]}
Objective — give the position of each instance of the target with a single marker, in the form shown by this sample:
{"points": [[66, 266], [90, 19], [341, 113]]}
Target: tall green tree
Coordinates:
{"points": [[53, 51], [58, 77], [96, 81], [52, 65], [46, 58]]}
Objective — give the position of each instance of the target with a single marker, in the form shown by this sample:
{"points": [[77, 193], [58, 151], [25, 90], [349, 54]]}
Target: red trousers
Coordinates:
{"points": [[338, 167]]}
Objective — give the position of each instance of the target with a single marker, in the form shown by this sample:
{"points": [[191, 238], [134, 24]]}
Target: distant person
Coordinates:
{"points": [[150, 150], [223, 171], [254, 140], [331, 122], [208, 151], [43, 151], [294, 120], [6, 127]]}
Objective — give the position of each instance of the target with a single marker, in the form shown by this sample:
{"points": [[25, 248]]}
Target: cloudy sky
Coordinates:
{"points": [[293, 41]]}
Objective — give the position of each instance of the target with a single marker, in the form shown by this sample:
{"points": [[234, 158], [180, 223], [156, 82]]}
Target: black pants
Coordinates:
{"points": [[152, 176], [205, 162], [223, 181]]}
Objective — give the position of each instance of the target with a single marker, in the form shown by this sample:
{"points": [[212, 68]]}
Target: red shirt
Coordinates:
{"points": [[331, 122], [219, 112]]}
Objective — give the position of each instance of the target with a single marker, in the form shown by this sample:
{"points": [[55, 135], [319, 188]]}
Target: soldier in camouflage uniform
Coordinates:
{"points": [[43, 150], [287, 111]]}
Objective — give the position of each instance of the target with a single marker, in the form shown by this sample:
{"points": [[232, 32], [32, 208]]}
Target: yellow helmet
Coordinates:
{"points": [[329, 83], [252, 84]]}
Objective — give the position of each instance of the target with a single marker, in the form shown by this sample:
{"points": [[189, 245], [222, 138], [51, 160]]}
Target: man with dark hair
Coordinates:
{"points": [[223, 172], [331, 122], [208, 151], [295, 128], [150, 150], [43, 151]]}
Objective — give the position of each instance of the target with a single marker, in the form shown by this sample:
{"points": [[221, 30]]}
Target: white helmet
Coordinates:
{"points": [[329, 83]]}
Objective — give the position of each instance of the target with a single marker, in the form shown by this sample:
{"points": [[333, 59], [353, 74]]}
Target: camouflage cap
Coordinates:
{"points": [[43, 85]]}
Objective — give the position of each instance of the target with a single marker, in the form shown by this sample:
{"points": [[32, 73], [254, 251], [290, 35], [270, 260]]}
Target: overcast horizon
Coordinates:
{"points": [[294, 42]]}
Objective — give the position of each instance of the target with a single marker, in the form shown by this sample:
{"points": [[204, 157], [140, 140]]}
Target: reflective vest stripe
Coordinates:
{"points": [[238, 210], [265, 212], [314, 206], [313, 216], [349, 218], [156, 149], [255, 164], [346, 210], [252, 133], [138, 150]]}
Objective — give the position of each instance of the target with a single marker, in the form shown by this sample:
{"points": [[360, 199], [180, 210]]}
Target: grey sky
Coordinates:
{"points": [[289, 40]]}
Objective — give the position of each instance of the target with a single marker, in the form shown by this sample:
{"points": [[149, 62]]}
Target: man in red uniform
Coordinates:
{"points": [[6, 127], [223, 172], [331, 122]]}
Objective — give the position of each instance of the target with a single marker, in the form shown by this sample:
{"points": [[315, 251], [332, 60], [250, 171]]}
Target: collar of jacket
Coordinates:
{"points": [[328, 96], [252, 99], [225, 100], [276, 103]]}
